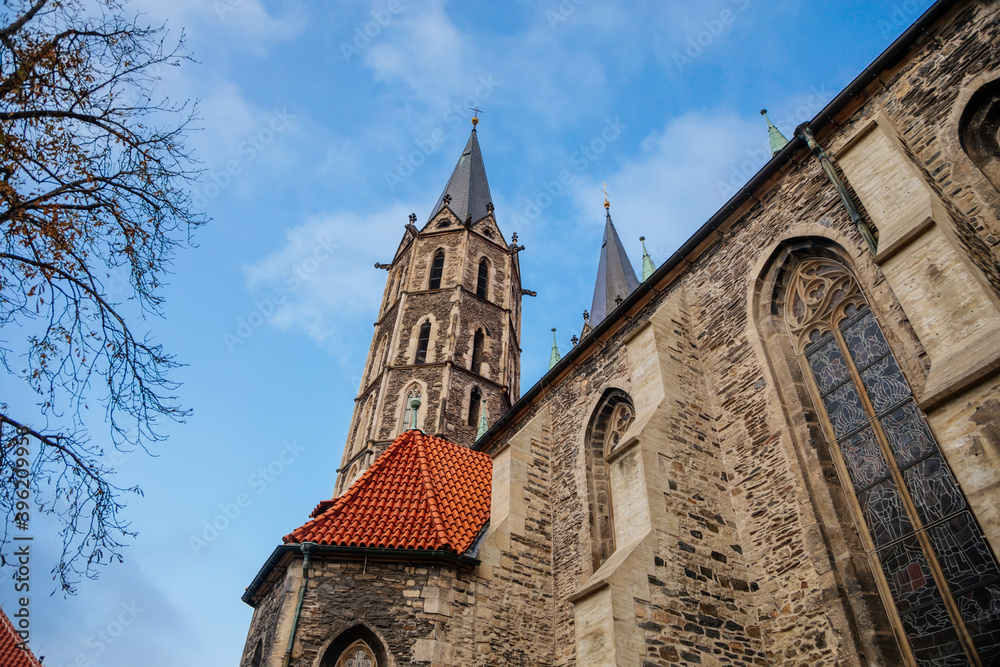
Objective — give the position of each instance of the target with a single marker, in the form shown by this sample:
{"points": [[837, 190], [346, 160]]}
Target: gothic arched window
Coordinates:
{"points": [[437, 269], [483, 283], [477, 351], [422, 341], [608, 422], [475, 398], [258, 654], [356, 647], [979, 130], [939, 575]]}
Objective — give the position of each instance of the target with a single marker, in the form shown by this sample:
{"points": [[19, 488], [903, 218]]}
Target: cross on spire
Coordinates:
{"points": [[604, 189], [475, 115]]}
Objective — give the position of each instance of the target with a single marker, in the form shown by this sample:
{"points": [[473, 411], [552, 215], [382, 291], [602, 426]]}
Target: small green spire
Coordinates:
{"points": [[774, 135], [483, 426], [554, 359], [647, 262]]}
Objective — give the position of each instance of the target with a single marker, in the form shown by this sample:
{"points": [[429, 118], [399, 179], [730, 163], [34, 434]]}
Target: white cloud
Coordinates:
{"points": [[241, 24], [422, 49], [683, 174], [322, 277]]}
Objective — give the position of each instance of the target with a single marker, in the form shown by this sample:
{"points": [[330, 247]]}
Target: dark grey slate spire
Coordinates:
{"points": [[615, 275], [469, 190]]}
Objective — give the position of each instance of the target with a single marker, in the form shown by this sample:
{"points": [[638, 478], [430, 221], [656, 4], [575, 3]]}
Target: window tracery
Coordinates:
{"points": [[939, 574], [621, 419], [358, 654]]}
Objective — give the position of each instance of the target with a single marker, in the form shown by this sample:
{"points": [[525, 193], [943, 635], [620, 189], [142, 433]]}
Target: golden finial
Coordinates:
{"points": [[604, 189], [475, 116]]}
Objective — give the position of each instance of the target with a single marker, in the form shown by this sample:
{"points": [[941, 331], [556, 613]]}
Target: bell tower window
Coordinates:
{"points": [[475, 398], [483, 284], [437, 269], [422, 341], [477, 351]]}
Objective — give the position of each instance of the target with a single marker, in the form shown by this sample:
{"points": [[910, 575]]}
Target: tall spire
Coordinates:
{"points": [[554, 359], [774, 135], [647, 262], [467, 188], [615, 275]]}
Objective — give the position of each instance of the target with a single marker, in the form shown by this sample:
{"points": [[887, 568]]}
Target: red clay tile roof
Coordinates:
{"points": [[421, 493], [13, 652]]}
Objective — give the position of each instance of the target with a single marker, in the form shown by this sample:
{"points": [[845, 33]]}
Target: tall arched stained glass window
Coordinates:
{"points": [[939, 574]]}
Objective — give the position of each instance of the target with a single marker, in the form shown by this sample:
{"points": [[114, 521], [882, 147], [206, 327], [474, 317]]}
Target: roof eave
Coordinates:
{"points": [[351, 553]]}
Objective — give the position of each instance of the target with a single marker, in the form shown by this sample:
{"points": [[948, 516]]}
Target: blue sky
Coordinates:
{"points": [[323, 126]]}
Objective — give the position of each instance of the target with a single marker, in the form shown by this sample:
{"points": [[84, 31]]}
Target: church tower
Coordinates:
{"points": [[448, 328]]}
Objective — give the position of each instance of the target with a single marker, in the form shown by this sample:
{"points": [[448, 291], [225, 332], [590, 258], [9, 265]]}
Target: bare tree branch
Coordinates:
{"points": [[92, 184]]}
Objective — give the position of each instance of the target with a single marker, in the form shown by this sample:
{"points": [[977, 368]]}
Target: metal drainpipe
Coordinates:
{"points": [[804, 132], [306, 549]]}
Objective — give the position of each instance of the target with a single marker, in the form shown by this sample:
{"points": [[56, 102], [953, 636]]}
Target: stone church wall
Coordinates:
{"points": [[733, 539]]}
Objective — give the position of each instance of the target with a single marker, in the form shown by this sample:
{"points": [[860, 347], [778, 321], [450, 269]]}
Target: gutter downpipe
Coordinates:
{"points": [[805, 132], [306, 550]]}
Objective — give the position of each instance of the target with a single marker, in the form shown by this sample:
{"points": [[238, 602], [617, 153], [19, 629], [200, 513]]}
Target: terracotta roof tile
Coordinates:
{"points": [[422, 493], [13, 652]]}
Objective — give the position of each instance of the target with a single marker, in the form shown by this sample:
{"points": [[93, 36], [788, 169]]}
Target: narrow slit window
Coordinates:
{"points": [[483, 284], [437, 269], [475, 398], [477, 351], [422, 341]]}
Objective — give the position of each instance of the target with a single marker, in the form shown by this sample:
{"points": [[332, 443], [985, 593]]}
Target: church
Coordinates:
{"points": [[781, 446]]}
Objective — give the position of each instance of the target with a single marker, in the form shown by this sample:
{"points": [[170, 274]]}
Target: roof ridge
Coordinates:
{"points": [[430, 488]]}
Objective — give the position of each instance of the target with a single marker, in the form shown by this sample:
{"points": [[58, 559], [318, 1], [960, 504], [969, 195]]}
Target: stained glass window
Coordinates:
{"points": [[941, 576], [358, 654]]}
